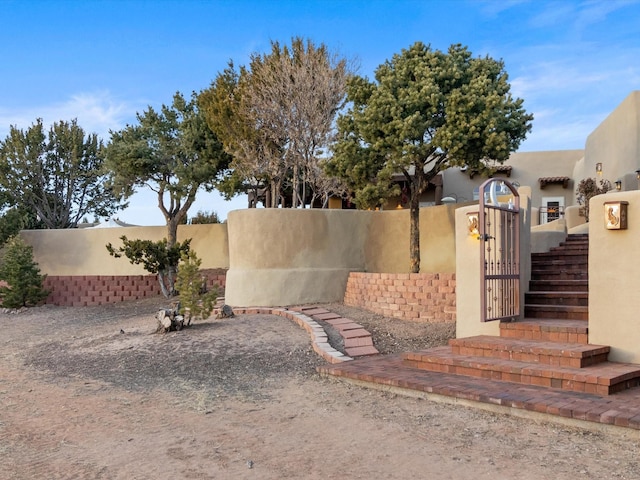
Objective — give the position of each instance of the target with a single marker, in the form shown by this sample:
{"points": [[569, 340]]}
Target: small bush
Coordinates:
{"points": [[195, 300], [204, 218], [17, 268], [156, 257], [587, 188]]}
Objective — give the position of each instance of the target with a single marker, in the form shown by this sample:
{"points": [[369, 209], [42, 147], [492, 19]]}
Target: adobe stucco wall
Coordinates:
{"points": [[614, 279], [72, 252], [526, 169], [387, 240], [292, 256], [274, 256], [305, 256], [616, 144], [81, 272]]}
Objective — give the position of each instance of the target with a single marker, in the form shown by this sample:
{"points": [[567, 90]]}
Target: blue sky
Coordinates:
{"points": [[101, 62]]}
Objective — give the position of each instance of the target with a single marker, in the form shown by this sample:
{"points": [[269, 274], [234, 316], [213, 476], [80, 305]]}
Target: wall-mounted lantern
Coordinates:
{"points": [[599, 168], [618, 184], [473, 226], [638, 174], [615, 215]]}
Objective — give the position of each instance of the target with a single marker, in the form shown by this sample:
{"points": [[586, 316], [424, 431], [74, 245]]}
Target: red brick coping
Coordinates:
{"points": [[91, 290], [422, 297]]}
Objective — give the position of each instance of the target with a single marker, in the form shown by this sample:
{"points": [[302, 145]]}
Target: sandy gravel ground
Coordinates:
{"points": [[239, 399]]}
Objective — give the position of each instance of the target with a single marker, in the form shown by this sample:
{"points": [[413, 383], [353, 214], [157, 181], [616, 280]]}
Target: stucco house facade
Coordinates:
{"points": [[611, 151]]}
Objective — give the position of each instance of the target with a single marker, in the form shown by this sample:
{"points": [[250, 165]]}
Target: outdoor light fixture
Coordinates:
{"points": [[618, 185], [638, 174], [473, 225], [615, 215], [599, 168]]}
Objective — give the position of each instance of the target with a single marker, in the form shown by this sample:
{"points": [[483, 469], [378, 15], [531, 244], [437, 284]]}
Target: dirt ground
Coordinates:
{"points": [[93, 393]]}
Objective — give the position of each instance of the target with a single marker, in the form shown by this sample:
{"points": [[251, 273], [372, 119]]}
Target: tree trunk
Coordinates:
{"points": [[166, 291], [414, 236]]}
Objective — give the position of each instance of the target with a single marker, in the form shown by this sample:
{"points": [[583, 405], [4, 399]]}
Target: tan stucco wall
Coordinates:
{"points": [[527, 168], [292, 256], [387, 241], [572, 217], [468, 281], [614, 280], [549, 235], [616, 144], [83, 252], [288, 256]]}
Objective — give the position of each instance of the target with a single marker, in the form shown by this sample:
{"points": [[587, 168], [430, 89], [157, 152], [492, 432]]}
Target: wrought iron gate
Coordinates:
{"points": [[499, 228]]}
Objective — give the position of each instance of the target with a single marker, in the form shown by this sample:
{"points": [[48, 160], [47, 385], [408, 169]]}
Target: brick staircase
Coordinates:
{"points": [[560, 281], [550, 347]]}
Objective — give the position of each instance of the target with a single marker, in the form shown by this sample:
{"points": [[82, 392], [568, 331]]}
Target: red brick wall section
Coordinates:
{"points": [[421, 297], [91, 290]]}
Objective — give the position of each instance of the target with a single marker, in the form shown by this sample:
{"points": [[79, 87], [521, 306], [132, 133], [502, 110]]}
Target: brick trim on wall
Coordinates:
{"points": [[90, 290], [422, 297]]}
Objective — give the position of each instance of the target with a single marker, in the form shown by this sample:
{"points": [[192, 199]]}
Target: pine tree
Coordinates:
{"points": [[24, 282], [195, 301]]}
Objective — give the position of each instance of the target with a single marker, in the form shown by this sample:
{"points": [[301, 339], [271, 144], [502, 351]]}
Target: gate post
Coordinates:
{"points": [[468, 271]]}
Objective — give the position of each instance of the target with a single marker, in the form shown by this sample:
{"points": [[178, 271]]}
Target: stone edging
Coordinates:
{"points": [[319, 338]]}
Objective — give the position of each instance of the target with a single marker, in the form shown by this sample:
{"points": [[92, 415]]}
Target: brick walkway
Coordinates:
{"points": [[387, 372]]}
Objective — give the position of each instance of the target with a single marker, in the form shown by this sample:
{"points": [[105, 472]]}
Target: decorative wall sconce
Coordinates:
{"points": [[599, 168], [473, 225], [615, 215], [618, 185]]}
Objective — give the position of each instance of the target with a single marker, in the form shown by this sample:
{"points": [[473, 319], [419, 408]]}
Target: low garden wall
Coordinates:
{"points": [[422, 297], [91, 290], [271, 257]]}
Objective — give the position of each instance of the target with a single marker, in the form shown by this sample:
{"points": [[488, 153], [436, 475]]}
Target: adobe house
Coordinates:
{"points": [[273, 257], [612, 151]]}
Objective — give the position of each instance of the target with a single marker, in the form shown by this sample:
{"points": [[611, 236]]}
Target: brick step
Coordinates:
{"points": [[559, 285], [577, 237], [557, 298], [573, 250], [602, 379], [575, 355], [568, 312], [562, 265], [538, 274], [356, 339], [548, 330], [577, 244], [562, 252]]}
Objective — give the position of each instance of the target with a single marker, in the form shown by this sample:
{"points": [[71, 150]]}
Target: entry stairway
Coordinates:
{"points": [[550, 347]]}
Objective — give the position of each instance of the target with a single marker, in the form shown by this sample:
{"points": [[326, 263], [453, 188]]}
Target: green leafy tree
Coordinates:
{"points": [[195, 300], [588, 188], [276, 118], [57, 175], [158, 258], [171, 151], [426, 111], [15, 218], [24, 282]]}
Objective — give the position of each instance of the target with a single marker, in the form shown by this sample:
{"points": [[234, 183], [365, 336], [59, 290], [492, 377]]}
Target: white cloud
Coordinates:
{"points": [[96, 112]]}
